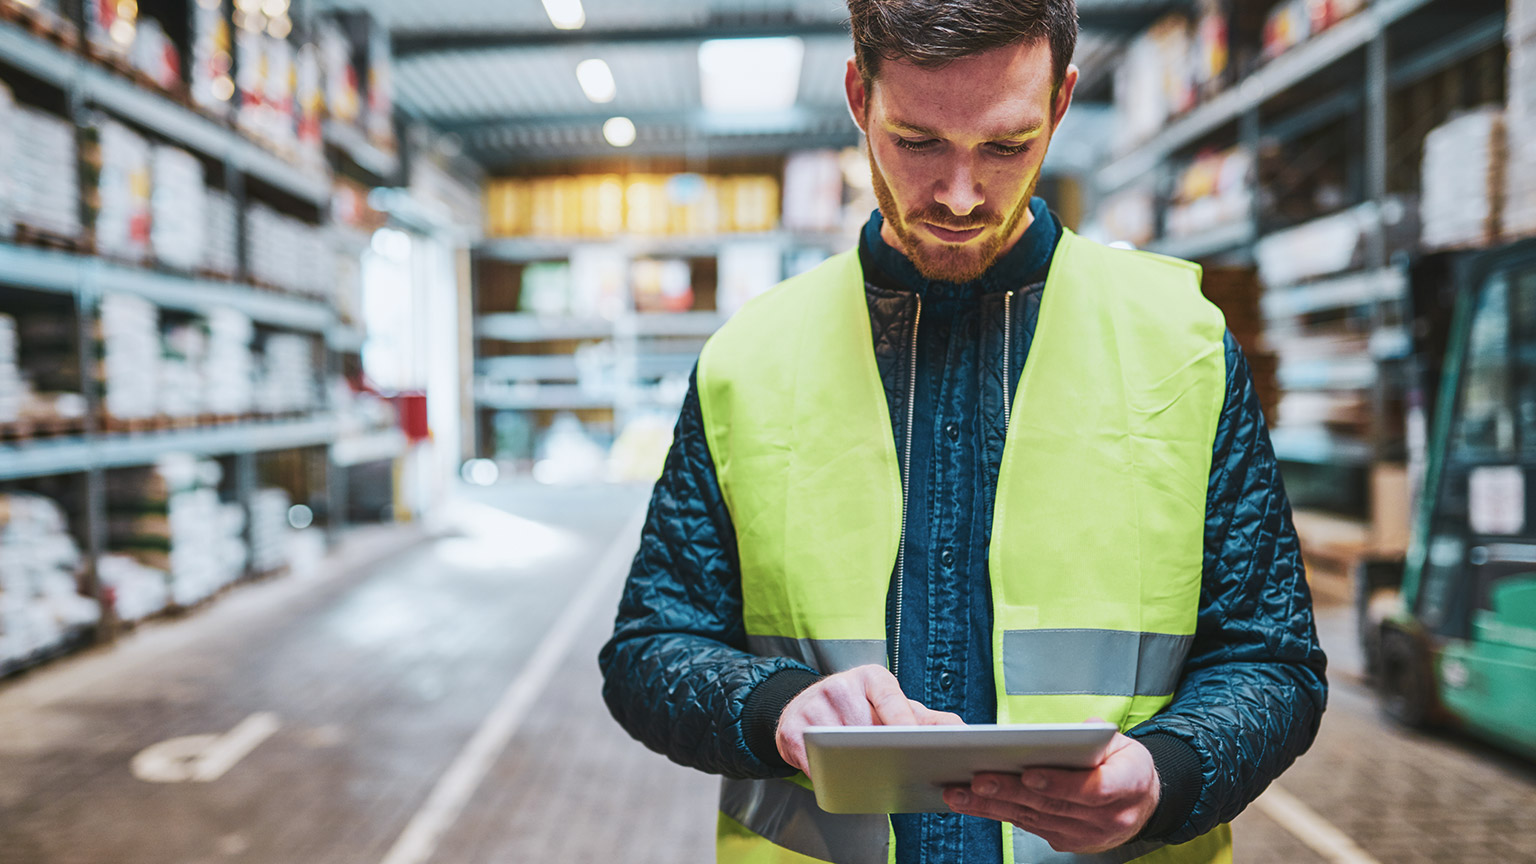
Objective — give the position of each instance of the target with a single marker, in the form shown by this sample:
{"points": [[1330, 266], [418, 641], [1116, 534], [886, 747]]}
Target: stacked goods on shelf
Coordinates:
{"points": [[49, 360], [122, 195], [110, 28], [264, 78], [271, 535], [1463, 181], [1129, 216], [134, 590], [230, 371], [8, 144], [177, 208], [813, 191], [1292, 22], [381, 90], [1237, 292], [212, 86], [286, 253], [287, 379], [641, 204], [41, 608], [45, 175], [12, 389], [170, 517], [309, 100], [343, 95], [1216, 190], [183, 356], [221, 234], [129, 337], [155, 57], [1154, 83], [1519, 216]]}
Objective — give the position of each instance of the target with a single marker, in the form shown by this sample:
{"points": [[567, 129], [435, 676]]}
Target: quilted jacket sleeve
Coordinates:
{"points": [[1253, 689], [676, 674]]}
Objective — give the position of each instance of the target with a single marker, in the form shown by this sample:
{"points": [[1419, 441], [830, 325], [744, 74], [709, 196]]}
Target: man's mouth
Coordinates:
{"points": [[953, 235]]}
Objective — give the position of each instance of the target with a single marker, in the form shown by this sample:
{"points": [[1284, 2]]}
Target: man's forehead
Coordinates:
{"points": [[1000, 92]]}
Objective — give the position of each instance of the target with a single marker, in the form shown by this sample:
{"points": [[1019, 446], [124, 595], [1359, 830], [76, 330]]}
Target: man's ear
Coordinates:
{"points": [[858, 95], [1064, 96]]}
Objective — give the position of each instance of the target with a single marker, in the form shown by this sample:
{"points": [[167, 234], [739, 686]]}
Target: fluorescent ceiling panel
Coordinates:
{"points": [[565, 14], [596, 80], [738, 75]]}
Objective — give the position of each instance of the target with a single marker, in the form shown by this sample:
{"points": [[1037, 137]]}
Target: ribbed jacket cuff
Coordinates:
{"points": [[1179, 777], [760, 713]]}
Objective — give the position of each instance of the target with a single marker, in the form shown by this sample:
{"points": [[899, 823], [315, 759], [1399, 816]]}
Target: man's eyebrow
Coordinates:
{"points": [[915, 129]]}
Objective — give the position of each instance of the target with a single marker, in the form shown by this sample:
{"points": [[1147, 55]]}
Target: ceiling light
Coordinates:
{"points": [[620, 131], [565, 14], [750, 74], [596, 80]]}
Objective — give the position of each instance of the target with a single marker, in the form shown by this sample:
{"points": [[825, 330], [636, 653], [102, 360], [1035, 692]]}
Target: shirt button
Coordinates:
{"points": [[952, 430], [947, 558], [946, 680]]}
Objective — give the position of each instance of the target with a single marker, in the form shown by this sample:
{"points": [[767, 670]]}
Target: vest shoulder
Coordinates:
{"points": [[1146, 263], [784, 305]]}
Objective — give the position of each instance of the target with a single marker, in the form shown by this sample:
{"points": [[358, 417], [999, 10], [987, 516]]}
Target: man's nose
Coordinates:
{"points": [[959, 189]]}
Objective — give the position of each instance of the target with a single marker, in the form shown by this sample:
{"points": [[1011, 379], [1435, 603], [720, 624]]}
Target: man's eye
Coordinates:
{"points": [[1009, 149], [918, 145]]}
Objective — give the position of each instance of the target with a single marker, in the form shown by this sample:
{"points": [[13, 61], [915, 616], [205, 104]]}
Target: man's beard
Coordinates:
{"points": [[946, 262]]}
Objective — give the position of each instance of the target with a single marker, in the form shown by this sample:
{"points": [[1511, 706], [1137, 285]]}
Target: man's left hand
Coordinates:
{"points": [[1074, 810]]}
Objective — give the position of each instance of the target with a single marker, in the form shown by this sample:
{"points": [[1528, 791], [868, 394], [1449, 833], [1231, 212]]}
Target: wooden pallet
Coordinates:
{"points": [[23, 431], [40, 238], [134, 425]]}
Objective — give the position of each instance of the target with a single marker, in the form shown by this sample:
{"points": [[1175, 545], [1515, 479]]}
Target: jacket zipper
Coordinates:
{"points": [[1007, 359], [906, 474]]}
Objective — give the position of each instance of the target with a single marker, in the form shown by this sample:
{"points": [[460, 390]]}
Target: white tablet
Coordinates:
{"points": [[904, 769]]}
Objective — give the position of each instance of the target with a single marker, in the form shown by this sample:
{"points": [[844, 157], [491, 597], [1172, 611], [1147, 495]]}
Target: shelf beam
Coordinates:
{"points": [[78, 454], [68, 273]]}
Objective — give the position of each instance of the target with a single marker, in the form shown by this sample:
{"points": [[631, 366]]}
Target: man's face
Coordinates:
{"points": [[956, 152]]}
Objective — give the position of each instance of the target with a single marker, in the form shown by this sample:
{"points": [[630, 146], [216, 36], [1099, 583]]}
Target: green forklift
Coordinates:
{"points": [[1449, 634]]}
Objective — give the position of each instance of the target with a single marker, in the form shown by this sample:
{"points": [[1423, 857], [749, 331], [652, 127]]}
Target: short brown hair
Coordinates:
{"points": [[934, 32]]}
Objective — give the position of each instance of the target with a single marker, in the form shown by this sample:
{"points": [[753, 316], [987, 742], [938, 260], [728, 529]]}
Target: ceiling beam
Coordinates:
{"points": [[415, 43], [800, 118], [412, 43]]}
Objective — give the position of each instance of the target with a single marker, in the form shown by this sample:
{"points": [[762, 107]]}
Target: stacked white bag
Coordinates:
{"points": [[40, 603], [130, 338]]}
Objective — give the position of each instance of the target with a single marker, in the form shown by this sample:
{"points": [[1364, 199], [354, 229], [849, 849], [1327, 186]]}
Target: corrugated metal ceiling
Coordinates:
{"points": [[520, 103]]}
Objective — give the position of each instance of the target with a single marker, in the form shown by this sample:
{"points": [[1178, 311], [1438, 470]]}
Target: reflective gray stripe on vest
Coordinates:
{"points": [[786, 815], [826, 656], [1098, 662], [1029, 849]]}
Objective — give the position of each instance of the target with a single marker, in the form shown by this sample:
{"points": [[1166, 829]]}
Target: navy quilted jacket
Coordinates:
{"points": [[678, 677]]}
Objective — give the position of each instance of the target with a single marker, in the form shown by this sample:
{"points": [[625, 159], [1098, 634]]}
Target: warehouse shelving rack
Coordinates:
{"points": [[1346, 76], [247, 167], [549, 382]]}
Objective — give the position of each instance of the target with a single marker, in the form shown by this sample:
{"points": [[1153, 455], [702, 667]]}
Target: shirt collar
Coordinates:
{"points": [[1024, 264]]}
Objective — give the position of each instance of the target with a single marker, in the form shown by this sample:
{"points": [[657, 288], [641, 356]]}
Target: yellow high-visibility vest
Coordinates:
{"points": [[1097, 531]]}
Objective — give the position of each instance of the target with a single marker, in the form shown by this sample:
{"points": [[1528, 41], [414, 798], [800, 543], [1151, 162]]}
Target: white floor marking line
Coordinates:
{"points": [[202, 758], [1289, 813], [234, 746], [419, 840]]}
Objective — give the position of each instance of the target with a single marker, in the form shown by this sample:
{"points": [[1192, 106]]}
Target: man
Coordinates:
{"points": [[980, 470]]}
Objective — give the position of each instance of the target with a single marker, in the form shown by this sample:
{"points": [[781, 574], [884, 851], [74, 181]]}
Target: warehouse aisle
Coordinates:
{"points": [[362, 718], [352, 696]]}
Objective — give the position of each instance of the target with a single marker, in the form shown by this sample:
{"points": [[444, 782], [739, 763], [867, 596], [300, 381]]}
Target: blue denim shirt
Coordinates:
{"points": [[957, 446]]}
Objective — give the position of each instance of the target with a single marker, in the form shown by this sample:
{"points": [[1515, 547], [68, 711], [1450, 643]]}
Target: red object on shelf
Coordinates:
{"points": [[412, 408]]}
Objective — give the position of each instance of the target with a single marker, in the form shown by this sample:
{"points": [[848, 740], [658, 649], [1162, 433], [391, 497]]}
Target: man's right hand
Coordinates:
{"points": [[864, 696]]}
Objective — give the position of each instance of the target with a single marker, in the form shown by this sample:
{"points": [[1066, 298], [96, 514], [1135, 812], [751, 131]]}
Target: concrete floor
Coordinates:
{"points": [[395, 676]]}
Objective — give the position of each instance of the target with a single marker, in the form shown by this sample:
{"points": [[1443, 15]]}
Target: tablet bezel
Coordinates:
{"points": [[903, 769]]}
